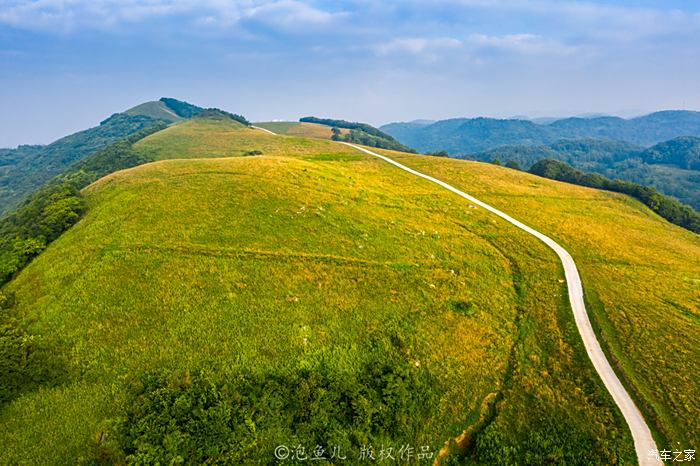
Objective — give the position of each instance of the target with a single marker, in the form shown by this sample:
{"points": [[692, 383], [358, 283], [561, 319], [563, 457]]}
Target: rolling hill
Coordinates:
{"points": [[462, 136], [24, 169], [297, 128], [244, 291]]}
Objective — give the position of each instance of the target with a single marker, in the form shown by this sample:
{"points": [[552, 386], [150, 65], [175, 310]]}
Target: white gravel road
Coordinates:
{"points": [[643, 440]]}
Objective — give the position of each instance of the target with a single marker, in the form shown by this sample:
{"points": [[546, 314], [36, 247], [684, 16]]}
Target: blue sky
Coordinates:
{"points": [[67, 64]]}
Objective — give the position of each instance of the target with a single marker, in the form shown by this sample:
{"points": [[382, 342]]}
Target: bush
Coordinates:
{"points": [[204, 419], [26, 361], [360, 133], [182, 109], [218, 114]]}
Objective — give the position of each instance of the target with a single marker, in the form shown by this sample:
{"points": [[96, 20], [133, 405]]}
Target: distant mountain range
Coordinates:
{"points": [[461, 136], [27, 167], [661, 149]]}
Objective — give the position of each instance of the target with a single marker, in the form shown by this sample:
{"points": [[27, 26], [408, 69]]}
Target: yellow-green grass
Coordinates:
{"points": [[295, 128], [641, 277], [283, 261], [205, 138]]}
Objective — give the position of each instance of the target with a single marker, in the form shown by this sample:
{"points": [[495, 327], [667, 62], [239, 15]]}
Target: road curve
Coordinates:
{"points": [[643, 440], [263, 129]]}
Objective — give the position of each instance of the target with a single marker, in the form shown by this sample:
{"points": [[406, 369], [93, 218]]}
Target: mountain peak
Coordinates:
{"points": [[167, 109]]}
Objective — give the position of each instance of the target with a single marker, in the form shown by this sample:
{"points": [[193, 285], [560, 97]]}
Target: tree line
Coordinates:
{"points": [[672, 210], [360, 133], [45, 214]]}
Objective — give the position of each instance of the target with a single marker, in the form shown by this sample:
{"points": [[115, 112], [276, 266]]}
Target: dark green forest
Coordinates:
{"points": [[463, 136], [210, 419]]}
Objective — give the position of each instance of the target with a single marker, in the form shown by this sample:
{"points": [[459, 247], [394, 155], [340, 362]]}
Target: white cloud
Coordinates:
{"points": [[526, 44], [416, 45], [474, 46], [66, 15], [292, 12], [611, 21]]}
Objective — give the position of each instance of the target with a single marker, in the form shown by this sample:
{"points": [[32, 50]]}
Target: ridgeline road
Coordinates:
{"points": [[643, 440], [263, 129]]}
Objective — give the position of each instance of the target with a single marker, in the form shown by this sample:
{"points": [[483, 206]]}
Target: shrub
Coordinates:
{"points": [[204, 419], [26, 361]]}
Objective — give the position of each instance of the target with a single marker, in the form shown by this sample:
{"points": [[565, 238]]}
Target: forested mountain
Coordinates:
{"points": [[683, 152], [24, 169], [470, 135]]}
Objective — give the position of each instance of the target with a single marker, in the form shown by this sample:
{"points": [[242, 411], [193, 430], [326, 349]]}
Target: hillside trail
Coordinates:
{"points": [[263, 129], [641, 434]]}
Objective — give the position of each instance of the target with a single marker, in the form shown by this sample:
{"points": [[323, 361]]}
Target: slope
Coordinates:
{"points": [[26, 168], [641, 433], [641, 279], [297, 128], [671, 166], [311, 260]]}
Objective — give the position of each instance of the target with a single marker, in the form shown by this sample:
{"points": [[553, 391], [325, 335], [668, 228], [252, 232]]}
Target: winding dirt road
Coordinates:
{"points": [[643, 440]]}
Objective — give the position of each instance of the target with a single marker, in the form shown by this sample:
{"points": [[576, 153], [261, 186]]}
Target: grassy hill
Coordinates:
{"points": [[26, 168], [157, 110], [297, 128], [296, 291], [641, 279]]}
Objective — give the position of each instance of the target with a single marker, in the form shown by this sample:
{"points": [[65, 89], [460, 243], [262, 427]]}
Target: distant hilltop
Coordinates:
{"points": [[471, 135]]}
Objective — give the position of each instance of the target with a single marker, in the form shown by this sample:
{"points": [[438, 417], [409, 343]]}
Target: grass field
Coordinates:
{"points": [[204, 138], [641, 277], [310, 255], [295, 128]]}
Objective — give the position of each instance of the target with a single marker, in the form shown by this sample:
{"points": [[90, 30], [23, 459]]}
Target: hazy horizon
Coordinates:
{"points": [[626, 114], [67, 65]]}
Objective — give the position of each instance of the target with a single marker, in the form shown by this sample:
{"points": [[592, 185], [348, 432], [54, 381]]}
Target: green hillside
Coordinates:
{"points": [[26, 168], [236, 276], [641, 277], [671, 167], [34, 165], [297, 128]]}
